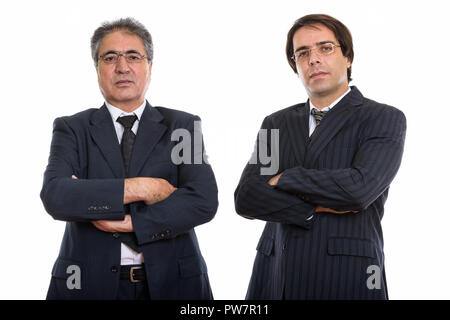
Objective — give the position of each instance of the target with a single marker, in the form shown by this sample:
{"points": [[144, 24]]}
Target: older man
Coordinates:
{"points": [[130, 206], [338, 154]]}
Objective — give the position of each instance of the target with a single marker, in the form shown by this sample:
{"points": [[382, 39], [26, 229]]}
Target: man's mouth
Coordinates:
{"points": [[317, 74], [123, 82]]}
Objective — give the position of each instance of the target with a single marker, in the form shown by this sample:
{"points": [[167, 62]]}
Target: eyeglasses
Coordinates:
{"points": [[323, 49], [112, 57]]}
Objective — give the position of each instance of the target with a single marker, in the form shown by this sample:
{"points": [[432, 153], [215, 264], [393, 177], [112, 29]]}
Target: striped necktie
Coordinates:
{"points": [[318, 115]]}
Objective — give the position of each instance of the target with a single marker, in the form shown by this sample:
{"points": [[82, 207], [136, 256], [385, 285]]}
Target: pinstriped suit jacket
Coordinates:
{"points": [[347, 164]]}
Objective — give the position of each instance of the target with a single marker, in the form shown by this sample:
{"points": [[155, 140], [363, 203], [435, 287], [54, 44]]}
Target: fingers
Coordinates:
{"points": [[323, 209], [274, 180], [99, 225], [124, 225], [104, 225], [128, 223], [74, 177]]}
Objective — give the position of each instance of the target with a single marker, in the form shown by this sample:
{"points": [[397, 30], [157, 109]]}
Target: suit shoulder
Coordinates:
{"points": [[281, 113], [79, 116], [78, 119], [174, 118], [174, 114], [381, 108], [376, 111]]}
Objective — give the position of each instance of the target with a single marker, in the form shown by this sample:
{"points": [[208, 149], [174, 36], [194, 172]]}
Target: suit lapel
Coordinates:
{"points": [[297, 123], [103, 132], [332, 123], [149, 133]]}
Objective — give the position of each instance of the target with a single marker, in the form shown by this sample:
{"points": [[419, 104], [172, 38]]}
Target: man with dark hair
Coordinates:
{"points": [[129, 203], [337, 155]]}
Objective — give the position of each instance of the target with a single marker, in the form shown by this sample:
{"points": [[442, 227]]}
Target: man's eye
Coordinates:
{"points": [[303, 53], [109, 58], [326, 48], [133, 57]]}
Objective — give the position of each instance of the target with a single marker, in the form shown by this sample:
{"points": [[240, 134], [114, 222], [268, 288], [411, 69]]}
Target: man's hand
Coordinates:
{"points": [[125, 225], [149, 190], [274, 180], [323, 209]]}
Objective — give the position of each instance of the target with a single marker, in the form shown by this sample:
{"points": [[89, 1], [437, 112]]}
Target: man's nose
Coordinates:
{"points": [[314, 57], [122, 65]]}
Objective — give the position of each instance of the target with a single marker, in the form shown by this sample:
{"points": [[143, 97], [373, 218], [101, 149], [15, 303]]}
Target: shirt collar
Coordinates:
{"points": [[116, 112], [335, 102]]}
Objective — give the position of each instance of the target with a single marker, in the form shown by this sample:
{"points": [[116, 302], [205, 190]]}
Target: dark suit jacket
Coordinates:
{"points": [[86, 145], [347, 164]]}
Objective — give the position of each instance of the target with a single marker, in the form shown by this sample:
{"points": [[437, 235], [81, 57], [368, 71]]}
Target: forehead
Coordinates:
{"points": [[310, 35], [121, 41]]}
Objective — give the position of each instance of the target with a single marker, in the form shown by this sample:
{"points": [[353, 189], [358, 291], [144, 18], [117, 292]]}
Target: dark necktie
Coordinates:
{"points": [[318, 115], [126, 146]]}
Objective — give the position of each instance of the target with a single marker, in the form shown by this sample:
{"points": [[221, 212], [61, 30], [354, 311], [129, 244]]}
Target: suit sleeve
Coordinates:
{"points": [[193, 203], [70, 199], [254, 198], [374, 166]]}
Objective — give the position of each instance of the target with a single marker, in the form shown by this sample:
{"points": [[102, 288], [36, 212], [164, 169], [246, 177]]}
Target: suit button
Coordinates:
{"points": [[116, 235], [113, 269]]}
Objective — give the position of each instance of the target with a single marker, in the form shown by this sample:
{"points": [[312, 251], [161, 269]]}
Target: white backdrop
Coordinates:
{"points": [[224, 60]]}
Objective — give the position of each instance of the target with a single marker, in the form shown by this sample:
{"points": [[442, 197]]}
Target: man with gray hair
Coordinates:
{"points": [[130, 209]]}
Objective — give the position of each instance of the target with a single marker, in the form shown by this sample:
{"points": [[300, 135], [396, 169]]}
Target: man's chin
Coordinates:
{"points": [[125, 96], [123, 100], [320, 90]]}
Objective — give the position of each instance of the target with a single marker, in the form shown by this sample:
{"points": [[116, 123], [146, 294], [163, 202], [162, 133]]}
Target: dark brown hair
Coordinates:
{"points": [[340, 31]]}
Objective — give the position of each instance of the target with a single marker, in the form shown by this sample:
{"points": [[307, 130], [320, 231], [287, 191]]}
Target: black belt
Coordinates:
{"points": [[134, 273]]}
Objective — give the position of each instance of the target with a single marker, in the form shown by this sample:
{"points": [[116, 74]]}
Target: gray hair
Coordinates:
{"points": [[126, 24]]}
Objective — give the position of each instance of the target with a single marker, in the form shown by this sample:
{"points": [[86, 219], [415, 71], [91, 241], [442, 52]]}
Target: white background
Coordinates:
{"points": [[225, 61]]}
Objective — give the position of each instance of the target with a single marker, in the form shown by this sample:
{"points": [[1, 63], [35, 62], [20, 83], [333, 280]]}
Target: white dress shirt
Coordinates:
{"points": [[127, 255], [312, 121]]}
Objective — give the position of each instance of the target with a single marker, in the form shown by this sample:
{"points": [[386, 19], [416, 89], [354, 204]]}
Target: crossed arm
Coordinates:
{"points": [[345, 190], [257, 197], [101, 201], [274, 182], [149, 190]]}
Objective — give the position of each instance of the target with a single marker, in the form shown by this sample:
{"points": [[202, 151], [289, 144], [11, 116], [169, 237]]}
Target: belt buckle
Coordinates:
{"points": [[132, 279]]}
